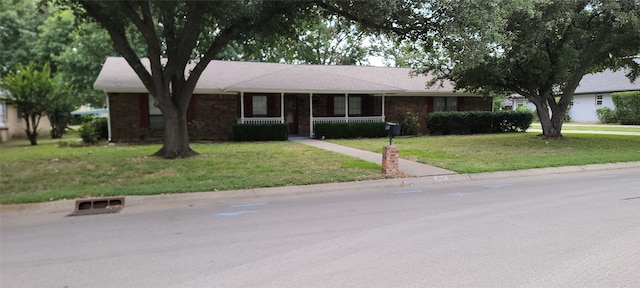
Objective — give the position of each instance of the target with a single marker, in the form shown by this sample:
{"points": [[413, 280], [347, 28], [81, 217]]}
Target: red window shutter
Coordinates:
{"points": [[248, 106], [461, 104], [143, 107], [367, 105], [272, 105], [429, 104], [329, 100], [191, 110]]}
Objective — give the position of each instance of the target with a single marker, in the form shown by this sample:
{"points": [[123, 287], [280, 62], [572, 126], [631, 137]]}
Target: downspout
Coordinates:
{"points": [[108, 116]]}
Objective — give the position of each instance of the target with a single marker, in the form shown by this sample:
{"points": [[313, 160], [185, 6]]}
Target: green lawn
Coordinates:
{"points": [[48, 172], [51, 171], [513, 151], [594, 127]]}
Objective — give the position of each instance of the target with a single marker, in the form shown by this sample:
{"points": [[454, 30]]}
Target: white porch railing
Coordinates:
{"points": [[261, 120], [317, 120]]}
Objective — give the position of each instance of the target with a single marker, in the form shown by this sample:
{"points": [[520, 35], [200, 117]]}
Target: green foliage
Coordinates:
{"points": [[30, 90], [87, 133], [101, 128], [349, 130], [538, 49], [606, 115], [19, 21], [472, 122], [95, 131], [409, 124], [260, 132], [627, 107], [332, 41]]}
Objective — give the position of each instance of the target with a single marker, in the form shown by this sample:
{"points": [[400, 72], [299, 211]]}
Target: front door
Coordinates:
{"points": [[291, 113]]}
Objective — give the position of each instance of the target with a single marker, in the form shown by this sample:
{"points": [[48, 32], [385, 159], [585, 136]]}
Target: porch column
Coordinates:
{"points": [[346, 107], [282, 107], [383, 117], [241, 107], [310, 114]]}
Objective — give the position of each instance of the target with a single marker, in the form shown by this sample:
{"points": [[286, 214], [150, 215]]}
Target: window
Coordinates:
{"points": [[156, 120], [259, 103], [519, 102], [355, 105], [445, 104], [3, 114], [599, 100]]}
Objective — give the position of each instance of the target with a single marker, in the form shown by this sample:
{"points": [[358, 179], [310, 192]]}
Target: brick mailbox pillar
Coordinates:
{"points": [[390, 156]]}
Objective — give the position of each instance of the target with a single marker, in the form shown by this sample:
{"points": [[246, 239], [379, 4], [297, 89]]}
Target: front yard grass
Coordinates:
{"points": [[48, 172], [594, 127], [513, 151]]}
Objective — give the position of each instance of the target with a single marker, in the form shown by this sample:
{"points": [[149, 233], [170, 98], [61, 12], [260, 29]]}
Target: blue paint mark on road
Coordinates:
{"points": [[249, 204], [408, 192], [237, 213], [460, 194]]}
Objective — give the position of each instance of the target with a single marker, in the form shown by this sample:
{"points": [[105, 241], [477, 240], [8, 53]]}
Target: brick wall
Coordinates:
{"points": [[215, 116], [396, 107], [124, 115], [476, 104]]}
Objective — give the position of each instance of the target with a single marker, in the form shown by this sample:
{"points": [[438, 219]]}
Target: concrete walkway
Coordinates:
{"points": [[405, 166]]}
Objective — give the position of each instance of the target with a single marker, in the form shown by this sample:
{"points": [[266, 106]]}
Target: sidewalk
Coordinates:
{"points": [[569, 131], [405, 166]]}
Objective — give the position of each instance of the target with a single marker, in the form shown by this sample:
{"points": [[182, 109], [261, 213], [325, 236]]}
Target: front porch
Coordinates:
{"points": [[302, 112]]}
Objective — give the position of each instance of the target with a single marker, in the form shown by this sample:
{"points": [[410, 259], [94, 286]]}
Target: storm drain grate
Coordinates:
{"points": [[95, 206]]}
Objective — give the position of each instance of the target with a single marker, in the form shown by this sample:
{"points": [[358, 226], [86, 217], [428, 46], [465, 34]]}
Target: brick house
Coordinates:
{"points": [[230, 92]]}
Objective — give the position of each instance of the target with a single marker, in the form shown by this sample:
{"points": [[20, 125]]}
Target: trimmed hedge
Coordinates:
{"points": [[260, 132], [627, 107], [472, 122], [350, 130]]}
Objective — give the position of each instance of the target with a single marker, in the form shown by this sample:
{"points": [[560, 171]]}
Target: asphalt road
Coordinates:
{"points": [[569, 230]]}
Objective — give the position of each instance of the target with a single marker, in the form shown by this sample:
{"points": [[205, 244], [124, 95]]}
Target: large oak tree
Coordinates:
{"points": [[540, 49], [180, 33]]}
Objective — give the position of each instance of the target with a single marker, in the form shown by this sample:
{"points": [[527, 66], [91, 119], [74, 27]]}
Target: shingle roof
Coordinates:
{"points": [[606, 82], [231, 76]]}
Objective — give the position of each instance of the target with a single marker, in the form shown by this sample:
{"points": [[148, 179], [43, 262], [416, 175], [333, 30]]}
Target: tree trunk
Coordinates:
{"points": [[551, 124], [32, 128], [176, 135]]}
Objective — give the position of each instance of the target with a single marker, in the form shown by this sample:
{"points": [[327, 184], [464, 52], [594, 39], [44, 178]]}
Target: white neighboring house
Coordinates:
{"points": [[594, 92]]}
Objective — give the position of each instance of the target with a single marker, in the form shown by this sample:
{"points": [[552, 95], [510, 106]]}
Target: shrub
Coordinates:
{"points": [[444, 123], [261, 132], [409, 124], [87, 133], [606, 115], [350, 130], [101, 128], [627, 107]]}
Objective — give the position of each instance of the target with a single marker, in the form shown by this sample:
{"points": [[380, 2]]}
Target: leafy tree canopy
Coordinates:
{"points": [[182, 31], [29, 89], [537, 48]]}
